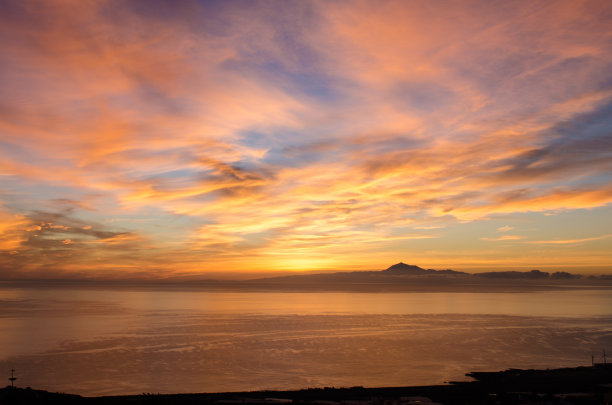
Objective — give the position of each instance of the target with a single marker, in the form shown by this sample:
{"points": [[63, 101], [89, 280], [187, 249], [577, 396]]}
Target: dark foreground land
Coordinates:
{"points": [[580, 385]]}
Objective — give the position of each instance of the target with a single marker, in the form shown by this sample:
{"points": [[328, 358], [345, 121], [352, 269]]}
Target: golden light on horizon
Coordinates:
{"points": [[211, 138]]}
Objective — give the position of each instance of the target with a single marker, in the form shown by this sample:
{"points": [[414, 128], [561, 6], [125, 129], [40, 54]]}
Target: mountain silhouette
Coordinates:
{"points": [[398, 277], [400, 272], [403, 268], [412, 270]]}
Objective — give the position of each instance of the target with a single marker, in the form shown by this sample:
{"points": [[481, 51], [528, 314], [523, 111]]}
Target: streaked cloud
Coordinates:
{"points": [[504, 238], [247, 136], [569, 241]]}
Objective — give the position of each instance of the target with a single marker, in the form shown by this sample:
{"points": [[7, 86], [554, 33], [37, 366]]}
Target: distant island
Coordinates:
{"points": [[407, 277], [398, 277]]}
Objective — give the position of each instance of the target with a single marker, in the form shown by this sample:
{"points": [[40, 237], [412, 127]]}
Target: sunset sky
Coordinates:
{"points": [[231, 138]]}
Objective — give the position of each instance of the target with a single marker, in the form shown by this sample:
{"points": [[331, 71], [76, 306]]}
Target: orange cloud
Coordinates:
{"points": [[11, 230], [366, 127], [504, 238]]}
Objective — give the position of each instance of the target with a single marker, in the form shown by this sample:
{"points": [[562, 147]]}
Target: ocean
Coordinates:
{"points": [[106, 342]]}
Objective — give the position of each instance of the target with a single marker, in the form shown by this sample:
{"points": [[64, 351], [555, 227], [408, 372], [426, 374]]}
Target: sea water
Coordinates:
{"points": [[104, 342]]}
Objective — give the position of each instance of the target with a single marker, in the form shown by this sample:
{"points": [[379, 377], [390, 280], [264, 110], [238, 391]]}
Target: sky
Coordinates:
{"points": [[164, 139]]}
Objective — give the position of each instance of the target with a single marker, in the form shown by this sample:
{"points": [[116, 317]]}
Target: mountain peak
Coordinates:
{"points": [[403, 268]]}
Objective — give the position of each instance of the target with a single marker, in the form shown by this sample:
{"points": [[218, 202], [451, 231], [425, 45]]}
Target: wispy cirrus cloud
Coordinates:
{"points": [[569, 241], [256, 134]]}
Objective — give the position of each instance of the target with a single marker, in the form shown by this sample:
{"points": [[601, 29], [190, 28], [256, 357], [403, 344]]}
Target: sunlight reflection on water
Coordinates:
{"points": [[111, 342], [547, 303]]}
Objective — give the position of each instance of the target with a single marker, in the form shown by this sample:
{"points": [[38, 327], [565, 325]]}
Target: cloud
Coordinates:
{"points": [[11, 236], [503, 238], [312, 128], [42, 240], [569, 241]]}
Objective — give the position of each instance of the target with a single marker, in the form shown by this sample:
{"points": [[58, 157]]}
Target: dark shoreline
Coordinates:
{"points": [[578, 385]]}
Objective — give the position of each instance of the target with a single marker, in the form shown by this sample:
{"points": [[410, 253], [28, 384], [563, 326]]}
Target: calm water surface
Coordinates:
{"points": [[98, 342]]}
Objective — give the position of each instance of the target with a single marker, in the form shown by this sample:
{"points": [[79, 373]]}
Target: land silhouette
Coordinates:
{"points": [[406, 277], [564, 386], [398, 277]]}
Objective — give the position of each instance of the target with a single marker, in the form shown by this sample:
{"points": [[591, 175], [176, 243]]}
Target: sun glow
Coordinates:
{"points": [[320, 136]]}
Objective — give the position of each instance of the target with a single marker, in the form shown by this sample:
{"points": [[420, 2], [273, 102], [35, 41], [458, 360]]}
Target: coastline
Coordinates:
{"points": [[577, 385]]}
